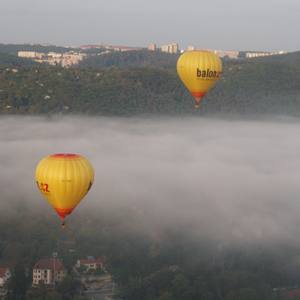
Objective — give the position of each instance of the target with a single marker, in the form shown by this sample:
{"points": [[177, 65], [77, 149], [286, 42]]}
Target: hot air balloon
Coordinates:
{"points": [[64, 179], [199, 70]]}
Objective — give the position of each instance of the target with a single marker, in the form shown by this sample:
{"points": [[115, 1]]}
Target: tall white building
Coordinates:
{"points": [[170, 48], [152, 47]]}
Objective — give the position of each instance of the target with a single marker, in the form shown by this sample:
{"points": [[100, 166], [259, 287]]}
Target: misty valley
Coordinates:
{"points": [[149, 150], [115, 185], [182, 208]]}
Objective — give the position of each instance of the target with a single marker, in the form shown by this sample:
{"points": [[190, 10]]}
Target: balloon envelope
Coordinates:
{"points": [[64, 179], [199, 70]]}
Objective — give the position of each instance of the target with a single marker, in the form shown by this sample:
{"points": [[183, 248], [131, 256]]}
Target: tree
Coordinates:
{"points": [[69, 287], [166, 296], [18, 283]]}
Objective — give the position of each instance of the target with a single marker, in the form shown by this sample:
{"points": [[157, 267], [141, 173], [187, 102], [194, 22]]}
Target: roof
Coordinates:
{"points": [[3, 270], [48, 263], [98, 261], [293, 293]]}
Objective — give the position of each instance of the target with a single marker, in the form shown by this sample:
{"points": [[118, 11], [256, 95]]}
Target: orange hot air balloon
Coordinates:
{"points": [[64, 179], [199, 70]]}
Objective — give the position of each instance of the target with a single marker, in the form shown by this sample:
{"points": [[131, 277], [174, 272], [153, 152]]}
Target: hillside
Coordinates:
{"points": [[13, 61], [264, 85], [131, 59], [131, 83], [14, 48], [291, 59]]}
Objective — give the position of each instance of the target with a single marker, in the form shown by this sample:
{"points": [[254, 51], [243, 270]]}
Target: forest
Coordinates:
{"points": [[166, 264], [143, 82]]}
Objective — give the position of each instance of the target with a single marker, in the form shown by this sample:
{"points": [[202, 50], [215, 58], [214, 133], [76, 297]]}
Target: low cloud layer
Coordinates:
{"points": [[237, 179]]}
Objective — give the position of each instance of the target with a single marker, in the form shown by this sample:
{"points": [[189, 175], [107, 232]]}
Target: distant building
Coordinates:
{"points": [[190, 48], [91, 46], [72, 58], [220, 53], [170, 48], [54, 55], [253, 54], [152, 47], [48, 272], [5, 275], [91, 263], [122, 48], [31, 54], [66, 59], [227, 53], [238, 54]]}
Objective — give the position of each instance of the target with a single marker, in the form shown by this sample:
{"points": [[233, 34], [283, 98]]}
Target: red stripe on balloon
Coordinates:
{"points": [[198, 96], [63, 212]]}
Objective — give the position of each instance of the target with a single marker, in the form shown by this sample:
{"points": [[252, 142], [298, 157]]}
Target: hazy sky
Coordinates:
{"points": [[219, 24], [231, 179]]}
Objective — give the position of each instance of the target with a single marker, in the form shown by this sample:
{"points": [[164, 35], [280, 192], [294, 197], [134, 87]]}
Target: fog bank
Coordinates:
{"points": [[230, 179]]}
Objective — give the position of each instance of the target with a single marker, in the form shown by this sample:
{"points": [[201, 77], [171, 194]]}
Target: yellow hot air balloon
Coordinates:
{"points": [[64, 179], [199, 70]]}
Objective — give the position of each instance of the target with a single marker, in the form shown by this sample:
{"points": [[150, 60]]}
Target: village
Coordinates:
{"points": [[92, 279]]}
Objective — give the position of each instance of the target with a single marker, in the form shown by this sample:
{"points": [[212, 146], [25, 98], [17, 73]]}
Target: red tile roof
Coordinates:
{"points": [[3, 271], [48, 264], [97, 261], [294, 293]]}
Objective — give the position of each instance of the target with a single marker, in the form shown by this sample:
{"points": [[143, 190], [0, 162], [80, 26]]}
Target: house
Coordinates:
{"points": [[48, 271], [91, 263], [5, 275]]}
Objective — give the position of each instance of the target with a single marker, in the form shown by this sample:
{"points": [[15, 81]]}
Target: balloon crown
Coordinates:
{"points": [[65, 155]]}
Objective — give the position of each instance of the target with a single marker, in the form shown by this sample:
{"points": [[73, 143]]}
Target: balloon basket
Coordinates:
{"points": [[63, 224]]}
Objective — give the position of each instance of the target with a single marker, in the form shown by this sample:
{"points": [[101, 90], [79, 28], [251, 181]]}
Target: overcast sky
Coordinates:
{"points": [[218, 24]]}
